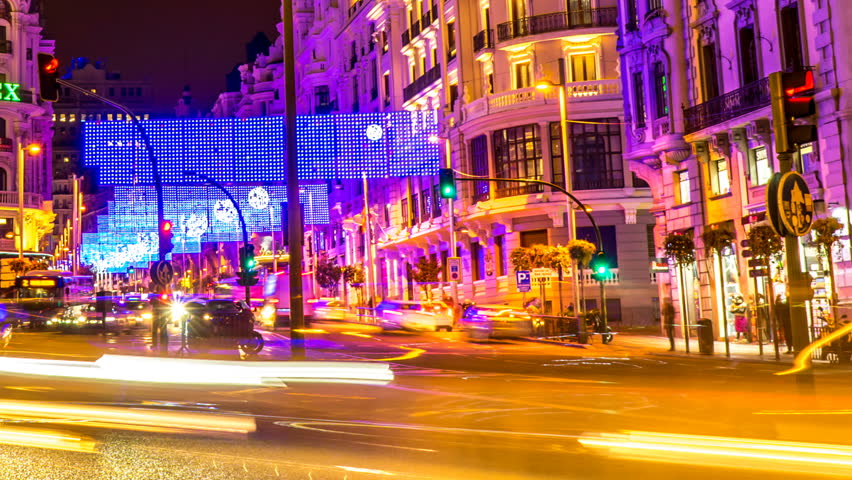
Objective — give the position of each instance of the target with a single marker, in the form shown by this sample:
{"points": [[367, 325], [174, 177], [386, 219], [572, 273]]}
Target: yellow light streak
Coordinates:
{"points": [[740, 453], [51, 439], [412, 353], [309, 330], [803, 360], [356, 334]]}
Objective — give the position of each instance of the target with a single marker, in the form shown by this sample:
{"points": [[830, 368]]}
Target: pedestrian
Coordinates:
{"points": [[740, 311], [668, 322], [782, 316]]}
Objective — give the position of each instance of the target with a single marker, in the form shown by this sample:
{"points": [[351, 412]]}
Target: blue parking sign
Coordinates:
{"points": [[524, 280]]}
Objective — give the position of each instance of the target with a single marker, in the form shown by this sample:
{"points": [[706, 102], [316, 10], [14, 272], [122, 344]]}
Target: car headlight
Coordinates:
{"points": [[206, 316], [267, 312], [147, 316]]}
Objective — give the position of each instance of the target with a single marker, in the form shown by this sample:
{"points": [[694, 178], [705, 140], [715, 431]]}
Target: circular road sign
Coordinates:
{"points": [[163, 272], [794, 203]]}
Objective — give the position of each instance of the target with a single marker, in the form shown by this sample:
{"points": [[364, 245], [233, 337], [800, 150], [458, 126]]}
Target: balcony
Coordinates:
{"points": [[431, 76], [483, 40], [594, 90], [510, 189], [733, 104], [355, 6], [555, 22], [31, 200], [6, 46], [604, 181]]}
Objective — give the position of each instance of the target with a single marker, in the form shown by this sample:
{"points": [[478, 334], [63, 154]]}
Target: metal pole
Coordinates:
{"points": [[798, 282], [454, 285], [567, 176], [20, 198], [314, 263], [368, 242], [272, 230], [296, 226], [75, 213]]}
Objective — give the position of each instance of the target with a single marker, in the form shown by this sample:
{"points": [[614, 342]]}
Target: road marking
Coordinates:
{"points": [[31, 389]]}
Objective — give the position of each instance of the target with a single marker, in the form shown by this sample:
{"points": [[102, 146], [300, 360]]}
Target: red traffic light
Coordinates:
{"points": [[802, 82], [51, 66], [166, 226]]}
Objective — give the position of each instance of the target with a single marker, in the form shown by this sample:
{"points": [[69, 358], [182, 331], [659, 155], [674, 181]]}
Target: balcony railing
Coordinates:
{"points": [[525, 97], [554, 22], [597, 182], [483, 40], [743, 100], [431, 76], [31, 200], [6, 46], [510, 189]]}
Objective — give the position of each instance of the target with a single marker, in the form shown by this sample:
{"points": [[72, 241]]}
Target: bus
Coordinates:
{"points": [[42, 293]]}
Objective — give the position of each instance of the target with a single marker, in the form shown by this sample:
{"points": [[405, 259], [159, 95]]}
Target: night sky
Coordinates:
{"points": [[171, 43]]}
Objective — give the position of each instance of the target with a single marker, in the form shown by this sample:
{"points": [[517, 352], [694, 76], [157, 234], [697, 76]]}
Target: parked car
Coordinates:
{"points": [[482, 322], [414, 315]]}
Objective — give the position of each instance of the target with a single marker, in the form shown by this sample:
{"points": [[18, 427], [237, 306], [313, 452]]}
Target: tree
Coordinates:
{"points": [[354, 276], [765, 244], [425, 274], [825, 230], [329, 274], [42, 224], [19, 266], [715, 241], [680, 249]]}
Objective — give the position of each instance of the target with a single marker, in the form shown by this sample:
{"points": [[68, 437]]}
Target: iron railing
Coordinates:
{"points": [[510, 189], [743, 100], [431, 76], [554, 22], [596, 182], [483, 40]]}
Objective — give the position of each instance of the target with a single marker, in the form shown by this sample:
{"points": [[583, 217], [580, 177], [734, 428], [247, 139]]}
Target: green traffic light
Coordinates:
{"points": [[601, 269]]}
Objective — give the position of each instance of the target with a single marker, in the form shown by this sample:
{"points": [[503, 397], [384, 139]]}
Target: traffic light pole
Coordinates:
{"points": [[159, 333], [239, 214]]}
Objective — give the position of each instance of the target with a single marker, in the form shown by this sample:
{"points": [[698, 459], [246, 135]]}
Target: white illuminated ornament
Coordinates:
{"points": [[195, 225], [258, 198], [224, 211], [374, 132]]}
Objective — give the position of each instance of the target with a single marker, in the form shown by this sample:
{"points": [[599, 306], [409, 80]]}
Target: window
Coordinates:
{"points": [[709, 74], [454, 95], [451, 40], [682, 184], [720, 182], [583, 67], [426, 204], [748, 55], [477, 258], [595, 154], [500, 255], [534, 237], [434, 56], [791, 37], [3, 130], [661, 90], [632, 16], [479, 167], [655, 5], [649, 235], [4, 180], [403, 208], [808, 157], [760, 169], [522, 75], [639, 113], [415, 209], [517, 154], [386, 84], [436, 201]]}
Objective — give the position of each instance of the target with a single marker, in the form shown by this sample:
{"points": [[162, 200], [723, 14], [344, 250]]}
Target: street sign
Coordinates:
{"points": [[543, 273], [758, 273], [454, 268], [524, 280], [757, 262], [162, 272], [789, 204]]}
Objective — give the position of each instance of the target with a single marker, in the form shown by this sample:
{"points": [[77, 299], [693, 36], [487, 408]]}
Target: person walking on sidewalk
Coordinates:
{"points": [[782, 315], [668, 322]]}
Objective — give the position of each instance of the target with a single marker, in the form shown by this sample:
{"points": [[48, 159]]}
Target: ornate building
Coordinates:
{"points": [[24, 120], [698, 108]]}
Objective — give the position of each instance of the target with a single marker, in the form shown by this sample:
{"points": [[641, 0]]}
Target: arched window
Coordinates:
{"points": [[3, 128], [4, 180]]}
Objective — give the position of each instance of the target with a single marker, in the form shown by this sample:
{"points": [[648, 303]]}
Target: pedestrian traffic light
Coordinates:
{"points": [[447, 183], [166, 234], [600, 266], [792, 98], [48, 74]]}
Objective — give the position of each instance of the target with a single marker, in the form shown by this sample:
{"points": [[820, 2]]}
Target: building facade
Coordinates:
{"points": [[24, 120], [698, 108], [480, 71]]}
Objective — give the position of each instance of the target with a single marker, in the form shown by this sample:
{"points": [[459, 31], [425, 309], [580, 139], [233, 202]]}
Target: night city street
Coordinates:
{"points": [[425, 239]]}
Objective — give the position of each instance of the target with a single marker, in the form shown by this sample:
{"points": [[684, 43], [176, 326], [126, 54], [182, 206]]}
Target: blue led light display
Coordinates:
{"points": [[127, 235], [252, 150]]}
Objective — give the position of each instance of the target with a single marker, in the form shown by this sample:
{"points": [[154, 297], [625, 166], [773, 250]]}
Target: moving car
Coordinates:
{"points": [[414, 315], [482, 322]]}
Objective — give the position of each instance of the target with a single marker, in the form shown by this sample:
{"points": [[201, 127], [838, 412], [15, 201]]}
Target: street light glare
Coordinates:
{"points": [[34, 149], [544, 86]]}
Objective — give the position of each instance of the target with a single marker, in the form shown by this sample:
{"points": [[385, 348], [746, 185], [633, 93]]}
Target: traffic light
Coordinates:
{"points": [[166, 234], [48, 74], [447, 183], [247, 274], [792, 98], [600, 266]]}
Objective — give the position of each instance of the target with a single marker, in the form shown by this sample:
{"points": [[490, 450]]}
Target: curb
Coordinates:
{"points": [[554, 342]]}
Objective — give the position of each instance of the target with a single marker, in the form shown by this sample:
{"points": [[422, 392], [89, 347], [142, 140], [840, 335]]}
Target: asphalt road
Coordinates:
{"points": [[456, 410]]}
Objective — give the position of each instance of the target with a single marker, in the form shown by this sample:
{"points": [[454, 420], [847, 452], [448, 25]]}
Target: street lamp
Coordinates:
{"points": [[33, 149], [545, 86]]}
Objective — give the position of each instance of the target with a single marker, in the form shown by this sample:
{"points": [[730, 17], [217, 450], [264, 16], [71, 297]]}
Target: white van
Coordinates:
{"points": [[415, 316]]}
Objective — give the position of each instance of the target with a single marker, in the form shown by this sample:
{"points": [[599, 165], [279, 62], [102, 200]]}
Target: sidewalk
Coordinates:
{"points": [[659, 345]]}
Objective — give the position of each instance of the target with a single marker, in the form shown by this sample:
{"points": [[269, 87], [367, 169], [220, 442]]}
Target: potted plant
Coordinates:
{"points": [[715, 241], [680, 249]]}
